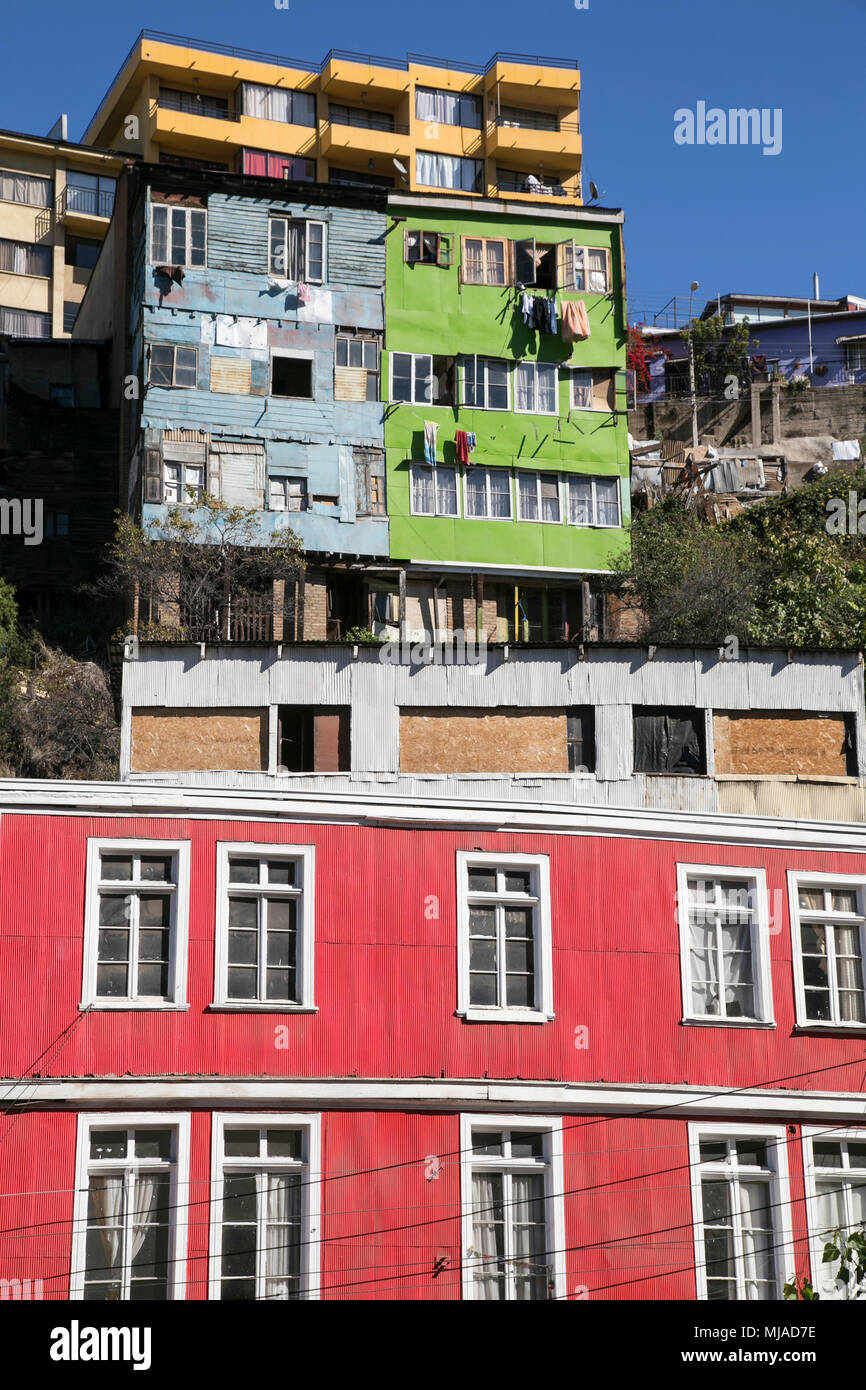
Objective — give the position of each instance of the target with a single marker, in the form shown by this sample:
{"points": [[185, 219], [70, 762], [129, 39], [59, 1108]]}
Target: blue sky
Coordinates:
{"points": [[728, 216]]}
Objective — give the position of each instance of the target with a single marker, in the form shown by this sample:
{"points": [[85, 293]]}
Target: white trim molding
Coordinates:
{"points": [[178, 1167], [779, 1197], [310, 1168], [302, 893], [552, 1169], [538, 867], [179, 852], [756, 881]]}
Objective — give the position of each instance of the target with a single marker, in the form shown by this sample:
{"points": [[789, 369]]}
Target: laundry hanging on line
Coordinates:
{"points": [[464, 443], [575, 321], [430, 432]]}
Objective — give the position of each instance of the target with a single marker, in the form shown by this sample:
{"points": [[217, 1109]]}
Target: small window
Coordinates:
{"points": [[178, 235], [724, 945], [428, 248], [504, 914], [669, 741], [264, 926], [292, 376], [81, 253], [484, 261], [538, 497], [297, 249], [287, 494], [172, 366], [485, 383], [434, 491], [56, 525], [855, 356], [593, 501], [356, 363], [828, 921], [183, 484], [369, 482], [536, 388], [487, 493], [313, 738], [592, 389], [580, 732], [135, 945], [420, 379], [742, 1213], [23, 258]]}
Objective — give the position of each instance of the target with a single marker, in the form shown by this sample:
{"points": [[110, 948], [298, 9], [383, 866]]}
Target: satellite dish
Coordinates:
{"points": [[401, 168], [593, 190]]}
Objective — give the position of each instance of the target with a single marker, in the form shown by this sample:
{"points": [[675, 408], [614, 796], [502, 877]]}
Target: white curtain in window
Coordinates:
{"points": [[445, 171], [527, 1220], [143, 1202], [546, 377], [256, 101], [550, 499], [581, 390], [580, 501], [528, 493], [597, 271], [106, 1202], [446, 491], [441, 107], [607, 501], [423, 495], [500, 493], [487, 1236], [525, 386], [23, 188], [21, 324], [13, 256], [758, 1239], [703, 967], [282, 1222]]}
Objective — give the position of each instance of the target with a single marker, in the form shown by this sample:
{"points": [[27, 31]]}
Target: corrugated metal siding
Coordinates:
{"points": [[237, 233]]}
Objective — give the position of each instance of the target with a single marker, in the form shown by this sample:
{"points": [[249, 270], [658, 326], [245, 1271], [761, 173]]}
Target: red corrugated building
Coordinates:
{"points": [[317, 1047]]}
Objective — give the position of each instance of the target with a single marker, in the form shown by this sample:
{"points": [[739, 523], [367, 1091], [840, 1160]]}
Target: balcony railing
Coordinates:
{"points": [[530, 184], [367, 120], [87, 202], [194, 105], [545, 123]]}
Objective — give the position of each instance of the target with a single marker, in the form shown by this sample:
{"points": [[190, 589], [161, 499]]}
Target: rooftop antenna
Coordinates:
{"points": [[594, 194]]}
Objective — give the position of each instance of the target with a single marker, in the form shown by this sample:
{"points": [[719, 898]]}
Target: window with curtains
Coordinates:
{"points": [[511, 1253], [264, 927], [278, 104], [593, 389], [434, 491], [92, 194], [25, 188], [183, 484], [741, 1211], [669, 740], [23, 258], [538, 497], [135, 928], [828, 921], [836, 1174], [427, 248], [264, 1218], [536, 388], [178, 235], [484, 261], [504, 970], [449, 171], [130, 1223], [440, 107], [21, 323], [724, 945], [487, 494], [593, 501], [484, 382], [297, 249]]}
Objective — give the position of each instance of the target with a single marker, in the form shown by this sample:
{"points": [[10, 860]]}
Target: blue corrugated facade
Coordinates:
{"points": [[321, 443]]}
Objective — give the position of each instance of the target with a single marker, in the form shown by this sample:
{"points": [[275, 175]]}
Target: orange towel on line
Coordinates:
{"points": [[575, 323]]}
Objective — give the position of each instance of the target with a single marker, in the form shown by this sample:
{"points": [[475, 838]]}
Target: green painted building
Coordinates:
{"points": [[543, 501]]}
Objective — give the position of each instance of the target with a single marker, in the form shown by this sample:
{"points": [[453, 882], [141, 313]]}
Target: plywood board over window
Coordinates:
{"points": [[200, 740], [756, 744], [470, 740]]}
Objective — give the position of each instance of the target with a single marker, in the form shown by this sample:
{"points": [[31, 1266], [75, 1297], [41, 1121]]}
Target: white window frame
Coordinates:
{"points": [[477, 359], [173, 348], [178, 929], [797, 879], [311, 1124], [536, 409], [775, 1137], [307, 221], [435, 471], [305, 855], [539, 866], [486, 470], [129, 1120], [173, 207], [595, 524], [415, 357], [756, 879], [855, 356], [811, 1178], [185, 487], [283, 480], [538, 476], [554, 1189]]}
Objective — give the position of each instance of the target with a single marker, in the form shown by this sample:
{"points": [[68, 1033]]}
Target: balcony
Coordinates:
{"points": [[337, 140], [84, 210], [531, 186], [213, 108], [520, 79], [533, 139]]}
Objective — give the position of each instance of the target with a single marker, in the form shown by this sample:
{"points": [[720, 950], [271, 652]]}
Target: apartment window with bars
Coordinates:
{"points": [[178, 235], [264, 926], [740, 1195], [827, 919], [511, 1200], [127, 1235], [836, 1188], [136, 915], [504, 912], [724, 945]]}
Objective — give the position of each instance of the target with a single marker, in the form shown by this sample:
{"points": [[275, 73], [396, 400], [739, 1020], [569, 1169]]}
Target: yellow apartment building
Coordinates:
{"points": [[511, 126]]}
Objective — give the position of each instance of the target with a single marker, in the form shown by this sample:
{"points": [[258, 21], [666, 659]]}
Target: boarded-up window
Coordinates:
{"points": [[469, 740], [199, 740], [669, 740], [369, 482], [758, 744], [231, 375], [314, 738]]}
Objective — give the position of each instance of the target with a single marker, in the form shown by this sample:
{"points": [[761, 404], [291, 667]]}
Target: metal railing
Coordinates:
{"points": [[364, 120], [535, 187], [194, 105], [89, 202], [539, 123]]}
